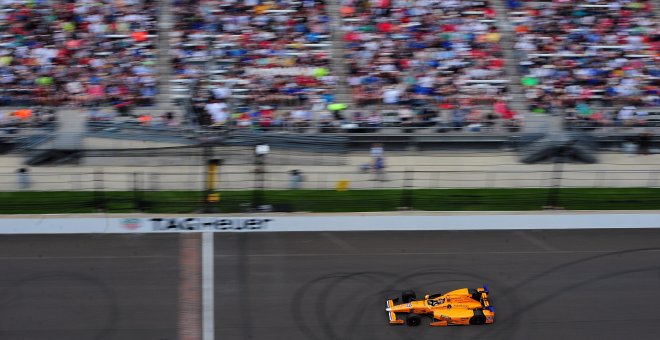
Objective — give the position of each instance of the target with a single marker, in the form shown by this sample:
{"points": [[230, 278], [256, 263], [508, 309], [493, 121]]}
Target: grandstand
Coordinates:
{"points": [[336, 66]]}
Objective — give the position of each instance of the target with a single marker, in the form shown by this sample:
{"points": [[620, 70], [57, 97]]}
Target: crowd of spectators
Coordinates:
{"points": [[577, 53], [625, 117], [265, 52], [461, 116], [77, 52], [418, 52]]}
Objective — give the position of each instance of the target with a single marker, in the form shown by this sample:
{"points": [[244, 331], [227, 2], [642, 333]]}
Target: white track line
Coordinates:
{"points": [[208, 327]]}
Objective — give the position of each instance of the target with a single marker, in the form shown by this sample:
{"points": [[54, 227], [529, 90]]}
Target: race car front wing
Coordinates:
{"points": [[391, 314]]}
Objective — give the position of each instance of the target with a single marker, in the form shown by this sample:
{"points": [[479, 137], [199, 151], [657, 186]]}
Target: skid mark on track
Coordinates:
{"points": [[333, 306], [321, 316], [338, 241], [580, 261], [97, 288], [529, 236], [522, 310]]}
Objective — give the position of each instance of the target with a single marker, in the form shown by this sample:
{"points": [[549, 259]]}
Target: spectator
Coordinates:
{"points": [[23, 178], [217, 111], [378, 161], [644, 143], [296, 179]]}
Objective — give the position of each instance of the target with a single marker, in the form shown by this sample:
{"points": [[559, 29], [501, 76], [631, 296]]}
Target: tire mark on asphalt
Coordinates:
{"points": [[520, 310], [563, 290], [365, 304], [105, 332], [579, 261], [528, 236], [297, 309], [339, 242]]}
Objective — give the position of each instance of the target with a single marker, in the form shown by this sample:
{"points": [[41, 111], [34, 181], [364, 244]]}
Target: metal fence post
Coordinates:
{"points": [[99, 199], [259, 178], [555, 186], [206, 190], [406, 192], [137, 193]]}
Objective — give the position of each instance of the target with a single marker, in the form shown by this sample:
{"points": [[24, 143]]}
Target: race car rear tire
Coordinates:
{"points": [[479, 318], [413, 320], [407, 296], [474, 294]]}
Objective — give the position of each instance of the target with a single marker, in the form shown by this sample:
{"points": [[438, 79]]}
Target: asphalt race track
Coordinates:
{"points": [[591, 284], [98, 287], [598, 284]]}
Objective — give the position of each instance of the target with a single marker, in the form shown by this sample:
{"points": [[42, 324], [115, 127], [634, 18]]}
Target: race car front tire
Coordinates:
{"points": [[407, 296], [413, 320], [479, 318]]}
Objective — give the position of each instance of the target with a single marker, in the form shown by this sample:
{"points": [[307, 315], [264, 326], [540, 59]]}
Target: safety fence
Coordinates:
{"points": [[329, 190]]}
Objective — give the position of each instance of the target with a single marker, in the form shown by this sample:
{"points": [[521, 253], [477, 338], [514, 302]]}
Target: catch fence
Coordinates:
{"points": [[343, 186]]}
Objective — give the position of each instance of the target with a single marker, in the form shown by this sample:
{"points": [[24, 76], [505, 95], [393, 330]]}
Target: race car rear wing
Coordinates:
{"points": [[391, 314], [484, 297], [484, 300]]}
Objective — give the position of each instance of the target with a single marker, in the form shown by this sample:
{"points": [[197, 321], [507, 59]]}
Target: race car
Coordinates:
{"points": [[464, 306]]}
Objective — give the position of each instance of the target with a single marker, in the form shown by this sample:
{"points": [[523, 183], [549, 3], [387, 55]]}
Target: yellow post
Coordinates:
{"points": [[212, 174], [212, 170]]}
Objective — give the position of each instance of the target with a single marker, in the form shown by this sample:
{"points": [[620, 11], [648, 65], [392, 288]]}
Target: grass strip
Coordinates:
{"points": [[42, 202]]}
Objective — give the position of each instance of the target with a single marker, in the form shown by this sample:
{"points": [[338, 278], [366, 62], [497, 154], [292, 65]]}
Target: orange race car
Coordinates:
{"points": [[464, 306]]}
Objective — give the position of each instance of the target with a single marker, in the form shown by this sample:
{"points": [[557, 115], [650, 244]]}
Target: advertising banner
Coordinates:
{"points": [[84, 225]]}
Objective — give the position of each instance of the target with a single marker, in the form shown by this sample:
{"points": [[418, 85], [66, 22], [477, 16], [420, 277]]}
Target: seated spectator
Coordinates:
{"points": [[218, 113]]}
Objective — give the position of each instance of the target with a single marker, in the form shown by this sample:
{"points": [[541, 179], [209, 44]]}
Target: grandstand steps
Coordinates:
{"points": [[164, 67], [338, 66], [70, 129], [534, 123], [507, 42], [66, 141]]}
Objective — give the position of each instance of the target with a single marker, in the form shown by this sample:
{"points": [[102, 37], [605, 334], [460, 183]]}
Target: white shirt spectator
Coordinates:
{"points": [[217, 112], [377, 151], [221, 92], [300, 115], [391, 96], [626, 113], [426, 81]]}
